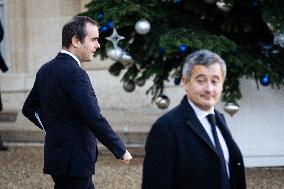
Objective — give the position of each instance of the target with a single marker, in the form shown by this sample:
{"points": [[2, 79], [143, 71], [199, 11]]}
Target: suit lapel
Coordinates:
{"points": [[194, 124]]}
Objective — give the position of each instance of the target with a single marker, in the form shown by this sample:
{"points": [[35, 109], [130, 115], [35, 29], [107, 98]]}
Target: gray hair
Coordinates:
{"points": [[202, 57]]}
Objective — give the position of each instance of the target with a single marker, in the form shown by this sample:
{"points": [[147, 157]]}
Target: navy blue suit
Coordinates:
{"points": [[180, 154], [65, 100]]}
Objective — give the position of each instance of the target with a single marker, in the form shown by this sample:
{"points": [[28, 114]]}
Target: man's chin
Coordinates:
{"points": [[207, 105]]}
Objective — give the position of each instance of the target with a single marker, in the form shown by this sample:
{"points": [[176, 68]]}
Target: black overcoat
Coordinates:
{"points": [[180, 155]]}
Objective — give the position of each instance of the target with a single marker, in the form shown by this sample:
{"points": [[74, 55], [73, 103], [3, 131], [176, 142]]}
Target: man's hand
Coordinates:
{"points": [[126, 158]]}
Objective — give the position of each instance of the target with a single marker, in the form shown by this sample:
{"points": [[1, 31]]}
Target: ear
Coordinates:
{"points": [[185, 82], [75, 42], [223, 81], [222, 87]]}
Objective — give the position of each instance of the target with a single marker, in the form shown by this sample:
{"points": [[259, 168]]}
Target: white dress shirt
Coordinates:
{"points": [[201, 115], [69, 53]]}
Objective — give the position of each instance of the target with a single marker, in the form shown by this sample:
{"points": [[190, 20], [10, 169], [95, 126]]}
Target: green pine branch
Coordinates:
{"points": [[242, 35]]}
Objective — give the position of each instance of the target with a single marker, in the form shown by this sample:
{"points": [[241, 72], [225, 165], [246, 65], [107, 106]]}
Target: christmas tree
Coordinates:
{"points": [[158, 35]]}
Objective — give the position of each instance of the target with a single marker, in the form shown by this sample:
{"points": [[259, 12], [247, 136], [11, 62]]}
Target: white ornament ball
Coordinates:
{"points": [[142, 27]]}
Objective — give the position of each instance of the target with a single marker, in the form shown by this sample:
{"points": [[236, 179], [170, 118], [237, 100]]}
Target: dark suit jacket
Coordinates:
{"points": [[67, 105], [3, 66], [180, 154]]}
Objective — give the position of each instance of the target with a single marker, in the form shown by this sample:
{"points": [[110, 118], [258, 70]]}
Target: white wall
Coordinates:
{"points": [[259, 125]]}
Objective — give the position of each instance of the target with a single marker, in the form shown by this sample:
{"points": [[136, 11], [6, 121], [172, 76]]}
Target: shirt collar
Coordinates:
{"points": [[69, 53], [200, 113]]}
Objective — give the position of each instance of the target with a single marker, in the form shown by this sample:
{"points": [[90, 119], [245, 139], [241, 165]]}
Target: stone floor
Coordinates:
{"points": [[21, 167]]}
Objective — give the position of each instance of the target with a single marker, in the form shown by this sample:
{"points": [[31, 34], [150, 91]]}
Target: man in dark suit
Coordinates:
{"points": [[190, 147], [4, 68], [67, 107]]}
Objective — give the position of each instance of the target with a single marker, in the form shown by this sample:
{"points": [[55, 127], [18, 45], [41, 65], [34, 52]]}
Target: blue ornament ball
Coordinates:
{"points": [[265, 80], [177, 80], [109, 25], [162, 51], [182, 48], [100, 17], [104, 29]]}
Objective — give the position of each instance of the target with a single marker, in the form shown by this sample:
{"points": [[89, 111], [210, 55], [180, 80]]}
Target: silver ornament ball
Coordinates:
{"points": [[129, 86], [140, 82], [126, 59], [115, 54], [231, 108], [142, 27], [163, 102]]}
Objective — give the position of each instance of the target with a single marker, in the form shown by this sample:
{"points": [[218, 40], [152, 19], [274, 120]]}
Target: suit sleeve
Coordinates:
{"points": [[85, 102], [3, 66], [32, 105], [159, 162]]}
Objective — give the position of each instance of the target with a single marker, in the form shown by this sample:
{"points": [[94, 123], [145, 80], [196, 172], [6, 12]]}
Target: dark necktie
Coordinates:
{"points": [[224, 176]]}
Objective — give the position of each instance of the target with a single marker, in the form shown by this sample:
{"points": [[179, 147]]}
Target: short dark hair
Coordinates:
{"points": [[75, 27]]}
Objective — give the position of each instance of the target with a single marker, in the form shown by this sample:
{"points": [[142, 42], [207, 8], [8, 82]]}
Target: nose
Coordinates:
{"points": [[98, 45], [209, 87]]}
